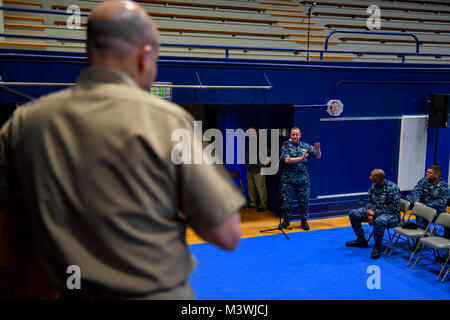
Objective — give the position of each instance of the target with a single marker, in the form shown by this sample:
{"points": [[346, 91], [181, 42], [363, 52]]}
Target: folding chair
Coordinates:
{"points": [[404, 206], [446, 274], [235, 174], [419, 211], [436, 242]]}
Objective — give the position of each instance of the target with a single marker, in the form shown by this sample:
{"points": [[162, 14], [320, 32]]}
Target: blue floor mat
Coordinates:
{"points": [[313, 265]]}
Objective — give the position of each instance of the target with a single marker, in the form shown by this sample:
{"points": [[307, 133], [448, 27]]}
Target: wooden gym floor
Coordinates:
{"points": [[253, 222]]}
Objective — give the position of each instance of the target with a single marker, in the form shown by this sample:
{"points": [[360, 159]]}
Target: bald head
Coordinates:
{"points": [[119, 32], [377, 176], [379, 172], [117, 26]]}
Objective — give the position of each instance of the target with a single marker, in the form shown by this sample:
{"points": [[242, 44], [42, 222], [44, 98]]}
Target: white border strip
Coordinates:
{"points": [[415, 116], [342, 195]]}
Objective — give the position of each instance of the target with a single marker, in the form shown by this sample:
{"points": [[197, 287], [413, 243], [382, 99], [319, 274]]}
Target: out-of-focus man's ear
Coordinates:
{"points": [[143, 52]]}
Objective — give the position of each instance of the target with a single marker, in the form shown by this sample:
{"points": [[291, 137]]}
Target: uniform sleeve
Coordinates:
{"points": [[441, 200], [208, 195], [284, 151], [392, 205], [416, 192], [311, 150], [371, 200]]}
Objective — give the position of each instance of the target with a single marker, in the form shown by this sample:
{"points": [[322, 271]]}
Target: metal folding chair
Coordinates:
{"points": [[446, 274], [436, 242], [419, 211]]}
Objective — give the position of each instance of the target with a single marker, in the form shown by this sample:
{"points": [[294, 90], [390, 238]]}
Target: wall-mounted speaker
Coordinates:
{"points": [[439, 111]]}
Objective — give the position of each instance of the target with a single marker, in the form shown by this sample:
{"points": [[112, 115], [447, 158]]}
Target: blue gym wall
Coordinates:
{"points": [[376, 93]]}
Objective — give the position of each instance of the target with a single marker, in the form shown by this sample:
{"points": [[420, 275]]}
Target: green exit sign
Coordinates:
{"points": [[162, 89]]}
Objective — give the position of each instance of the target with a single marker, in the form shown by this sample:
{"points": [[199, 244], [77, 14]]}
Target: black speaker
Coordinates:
{"points": [[439, 111]]}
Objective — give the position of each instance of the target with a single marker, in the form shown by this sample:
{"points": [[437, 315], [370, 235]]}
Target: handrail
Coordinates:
{"points": [[209, 46], [15, 92], [373, 32], [41, 11], [156, 85], [29, 36]]}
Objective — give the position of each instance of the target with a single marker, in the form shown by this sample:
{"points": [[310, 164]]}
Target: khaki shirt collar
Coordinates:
{"points": [[99, 75]]}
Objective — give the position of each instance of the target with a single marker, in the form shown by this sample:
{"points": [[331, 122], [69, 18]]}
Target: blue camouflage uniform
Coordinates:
{"points": [[431, 195], [384, 200], [295, 183]]}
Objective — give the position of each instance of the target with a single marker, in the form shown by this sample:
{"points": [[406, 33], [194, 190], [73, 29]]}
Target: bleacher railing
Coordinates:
{"points": [[227, 48], [377, 33]]}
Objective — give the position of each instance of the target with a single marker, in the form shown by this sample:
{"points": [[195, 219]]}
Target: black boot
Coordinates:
{"points": [[360, 242], [305, 224], [375, 252]]}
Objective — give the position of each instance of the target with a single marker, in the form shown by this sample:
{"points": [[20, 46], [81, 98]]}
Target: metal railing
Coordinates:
{"points": [[371, 33], [65, 13], [228, 48], [155, 85]]}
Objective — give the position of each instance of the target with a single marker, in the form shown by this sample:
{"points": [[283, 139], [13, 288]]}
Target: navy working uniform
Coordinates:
{"points": [[384, 200], [295, 183], [431, 195]]}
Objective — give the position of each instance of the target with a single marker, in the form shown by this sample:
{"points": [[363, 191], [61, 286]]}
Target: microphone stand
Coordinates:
{"points": [[280, 225], [309, 26], [282, 214]]}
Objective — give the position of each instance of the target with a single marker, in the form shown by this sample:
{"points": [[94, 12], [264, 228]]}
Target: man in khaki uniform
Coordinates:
{"points": [[256, 182], [94, 167]]}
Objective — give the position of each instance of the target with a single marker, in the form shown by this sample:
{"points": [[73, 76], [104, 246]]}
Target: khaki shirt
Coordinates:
{"points": [[94, 166]]}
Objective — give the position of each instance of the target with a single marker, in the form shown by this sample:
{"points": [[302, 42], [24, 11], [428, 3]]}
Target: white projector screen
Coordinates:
{"points": [[413, 151]]}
